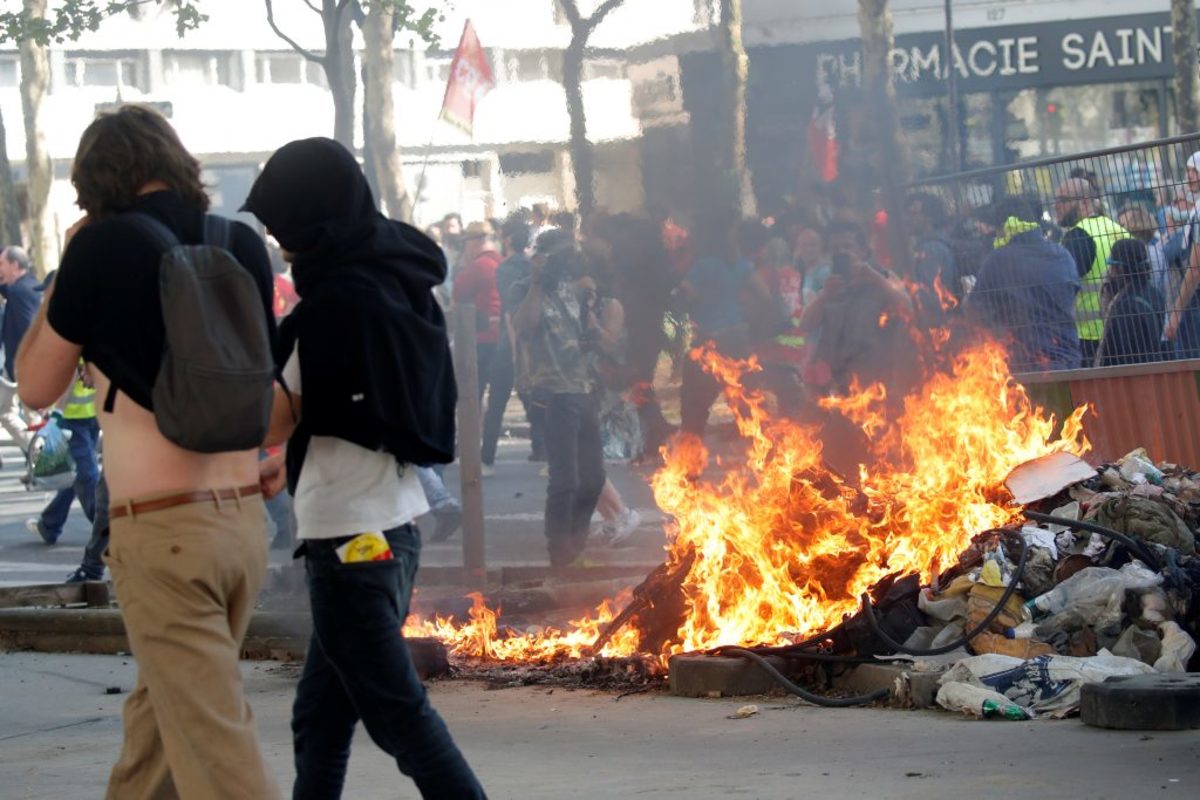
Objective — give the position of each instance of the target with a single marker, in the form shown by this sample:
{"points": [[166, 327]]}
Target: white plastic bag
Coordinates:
{"points": [[1177, 648]]}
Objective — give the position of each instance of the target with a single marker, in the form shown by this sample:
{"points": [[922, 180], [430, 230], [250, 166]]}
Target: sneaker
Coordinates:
{"points": [[487, 470], [447, 521], [602, 532], [544, 472], [624, 526], [80, 575], [34, 525]]}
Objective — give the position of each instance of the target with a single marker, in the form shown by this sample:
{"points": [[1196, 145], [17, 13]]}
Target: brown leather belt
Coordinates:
{"points": [[183, 499]]}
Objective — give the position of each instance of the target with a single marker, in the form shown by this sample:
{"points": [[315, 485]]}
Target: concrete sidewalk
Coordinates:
{"points": [[60, 732]]}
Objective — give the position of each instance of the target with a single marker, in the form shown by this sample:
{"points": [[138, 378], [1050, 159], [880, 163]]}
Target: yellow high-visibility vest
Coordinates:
{"points": [[81, 402], [1089, 320]]}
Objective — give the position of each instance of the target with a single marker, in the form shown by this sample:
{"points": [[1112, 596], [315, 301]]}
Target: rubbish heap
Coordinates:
{"points": [[1101, 581]]}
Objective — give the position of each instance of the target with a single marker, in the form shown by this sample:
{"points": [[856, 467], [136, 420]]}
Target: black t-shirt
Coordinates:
{"points": [[106, 294]]}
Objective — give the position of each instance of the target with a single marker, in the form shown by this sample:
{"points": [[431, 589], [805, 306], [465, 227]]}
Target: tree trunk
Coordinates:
{"points": [[339, 69], [10, 215], [1183, 34], [735, 70], [379, 113], [875, 21], [582, 162], [35, 80]]}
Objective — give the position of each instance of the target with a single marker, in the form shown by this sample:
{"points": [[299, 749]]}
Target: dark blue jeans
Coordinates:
{"points": [[359, 667], [84, 435], [93, 552], [575, 457]]}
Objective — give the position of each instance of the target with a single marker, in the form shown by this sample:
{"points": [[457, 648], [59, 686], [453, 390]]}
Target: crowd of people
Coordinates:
{"points": [[574, 315], [328, 359], [1095, 278]]}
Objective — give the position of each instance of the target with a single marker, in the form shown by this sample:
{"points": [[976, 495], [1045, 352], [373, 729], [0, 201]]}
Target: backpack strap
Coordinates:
{"points": [[218, 232]]}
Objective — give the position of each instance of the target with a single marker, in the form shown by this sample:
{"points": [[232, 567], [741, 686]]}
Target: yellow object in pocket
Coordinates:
{"points": [[365, 547]]}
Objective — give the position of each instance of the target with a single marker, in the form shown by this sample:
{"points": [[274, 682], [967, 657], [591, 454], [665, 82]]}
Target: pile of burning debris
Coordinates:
{"points": [[973, 533]]}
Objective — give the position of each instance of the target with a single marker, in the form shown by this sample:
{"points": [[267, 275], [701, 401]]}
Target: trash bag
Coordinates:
{"points": [[50, 466], [898, 616], [1177, 648], [1145, 518], [1046, 684]]}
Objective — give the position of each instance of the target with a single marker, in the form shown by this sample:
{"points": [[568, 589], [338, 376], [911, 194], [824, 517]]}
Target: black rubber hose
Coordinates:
{"points": [[966, 637], [1137, 547], [800, 691]]}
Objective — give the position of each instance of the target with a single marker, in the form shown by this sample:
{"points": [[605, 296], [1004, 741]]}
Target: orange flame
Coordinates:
{"points": [[480, 636], [945, 297], [784, 547]]}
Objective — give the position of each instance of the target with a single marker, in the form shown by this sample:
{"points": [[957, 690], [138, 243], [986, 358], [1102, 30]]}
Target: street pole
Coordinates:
{"points": [[952, 112], [470, 436]]}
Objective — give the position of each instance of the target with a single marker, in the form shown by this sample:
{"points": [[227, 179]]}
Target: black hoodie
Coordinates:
{"points": [[376, 359]]}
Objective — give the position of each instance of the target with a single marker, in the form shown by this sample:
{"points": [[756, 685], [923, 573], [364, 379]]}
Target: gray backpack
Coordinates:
{"points": [[214, 391]]}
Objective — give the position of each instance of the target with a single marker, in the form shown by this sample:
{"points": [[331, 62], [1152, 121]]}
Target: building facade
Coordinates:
{"points": [[236, 92], [1033, 79]]}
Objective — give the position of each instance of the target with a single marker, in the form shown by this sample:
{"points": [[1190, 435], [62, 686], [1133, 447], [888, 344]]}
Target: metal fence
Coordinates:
{"points": [[1078, 261]]}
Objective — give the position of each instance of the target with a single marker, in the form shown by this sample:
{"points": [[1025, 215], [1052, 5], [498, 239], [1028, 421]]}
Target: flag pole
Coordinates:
{"points": [[424, 167]]}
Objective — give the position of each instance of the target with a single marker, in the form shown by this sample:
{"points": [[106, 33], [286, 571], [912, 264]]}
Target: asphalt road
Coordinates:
{"points": [[60, 734]]}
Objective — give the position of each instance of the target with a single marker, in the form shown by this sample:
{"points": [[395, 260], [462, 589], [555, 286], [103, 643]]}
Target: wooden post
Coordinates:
{"points": [[470, 435]]}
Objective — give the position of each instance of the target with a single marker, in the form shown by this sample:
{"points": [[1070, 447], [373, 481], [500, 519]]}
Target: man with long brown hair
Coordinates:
{"points": [[188, 543]]}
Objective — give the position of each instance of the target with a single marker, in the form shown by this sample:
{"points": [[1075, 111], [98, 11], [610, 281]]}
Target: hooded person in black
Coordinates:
{"points": [[368, 392], [365, 284]]}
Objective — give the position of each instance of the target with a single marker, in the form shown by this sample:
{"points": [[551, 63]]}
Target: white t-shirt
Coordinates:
{"points": [[345, 489]]}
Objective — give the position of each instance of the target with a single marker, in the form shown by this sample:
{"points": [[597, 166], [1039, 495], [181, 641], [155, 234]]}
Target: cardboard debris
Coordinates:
{"points": [[1046, 476]]}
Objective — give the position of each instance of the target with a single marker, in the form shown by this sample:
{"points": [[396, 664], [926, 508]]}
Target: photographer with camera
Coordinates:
{"points": [[861, 316], [553, 327]]}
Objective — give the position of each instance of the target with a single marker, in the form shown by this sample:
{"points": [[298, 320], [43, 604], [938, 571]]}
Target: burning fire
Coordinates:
{"points": [[784, 547], [480, 636]]}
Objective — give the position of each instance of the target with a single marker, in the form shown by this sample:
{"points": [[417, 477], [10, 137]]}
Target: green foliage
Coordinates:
{"points": [[73, 18], [409, 19]]}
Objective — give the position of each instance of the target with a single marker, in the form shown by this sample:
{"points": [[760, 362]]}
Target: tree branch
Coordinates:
{"points": [[310, 55], [316, 10], [601, 12], [571, 9]]}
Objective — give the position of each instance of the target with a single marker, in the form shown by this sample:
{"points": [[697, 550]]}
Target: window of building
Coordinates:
{"points": [[473, 169], [289, 68], [120, 72], [1067, 119], [540, 162], [609, 68], [198, 69], [437, 69], [403, 71], [536, 65], [10, 72]]}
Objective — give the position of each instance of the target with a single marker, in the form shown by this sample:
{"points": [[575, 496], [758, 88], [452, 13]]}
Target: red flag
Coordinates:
{"points": [[822, 138], [470, 79]]}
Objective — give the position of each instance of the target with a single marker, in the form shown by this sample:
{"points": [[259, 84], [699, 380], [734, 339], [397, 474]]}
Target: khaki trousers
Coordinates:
{"points": [[187, 579]]}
